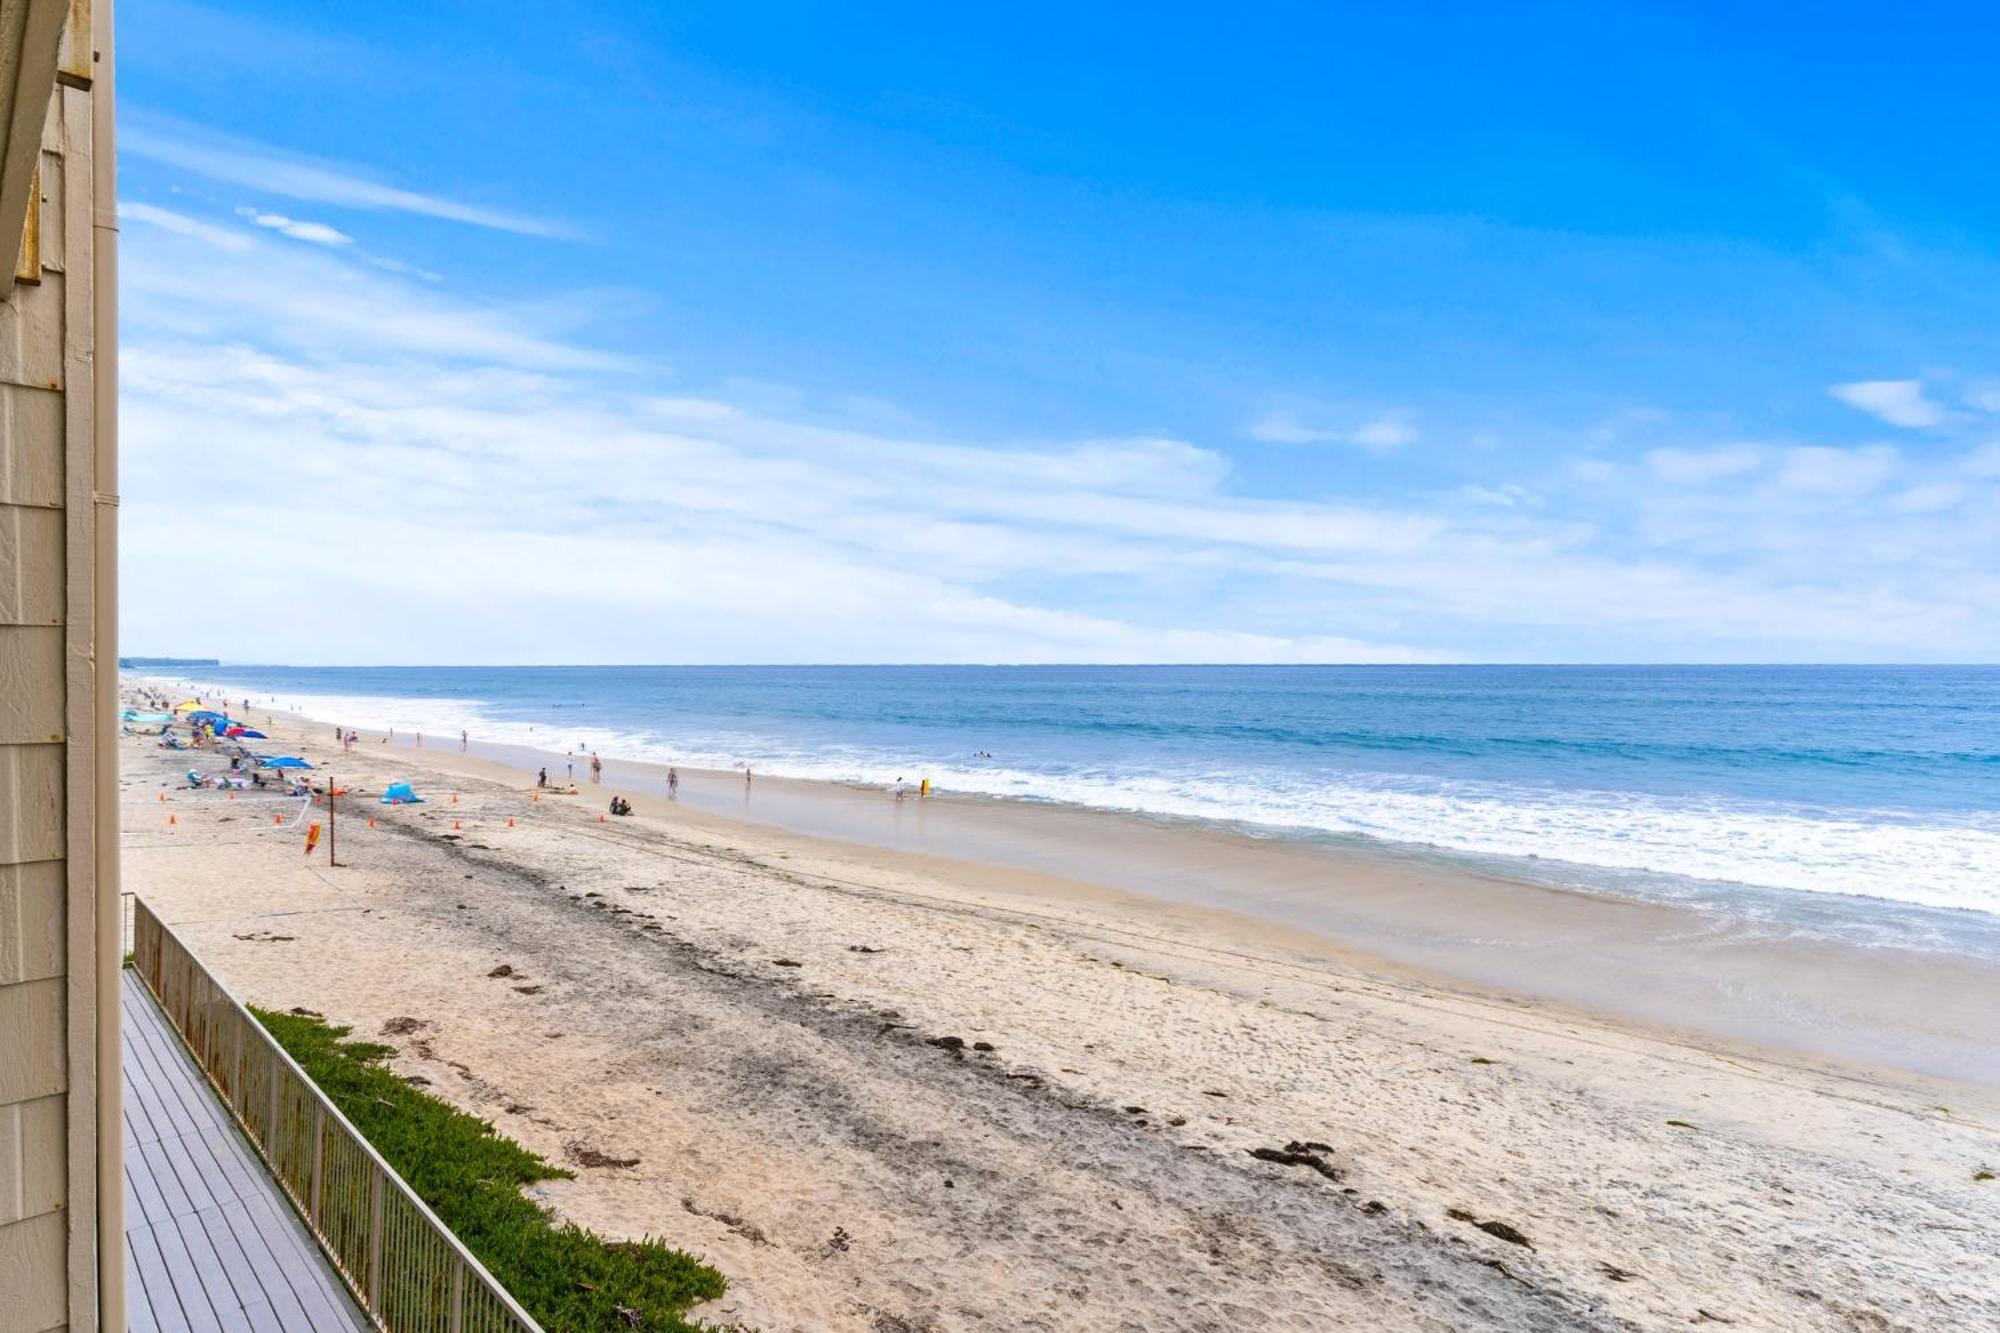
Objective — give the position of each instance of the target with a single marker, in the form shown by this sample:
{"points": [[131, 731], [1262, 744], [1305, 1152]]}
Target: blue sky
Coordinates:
{"points": [[1288, 333]]}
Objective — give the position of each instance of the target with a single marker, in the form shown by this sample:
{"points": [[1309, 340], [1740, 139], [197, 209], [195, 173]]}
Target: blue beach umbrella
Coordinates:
{"points": [[285, 761]]}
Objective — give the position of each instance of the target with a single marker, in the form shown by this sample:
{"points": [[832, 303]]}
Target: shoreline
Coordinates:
{"points": [[1673, 968], [881, 1090]]}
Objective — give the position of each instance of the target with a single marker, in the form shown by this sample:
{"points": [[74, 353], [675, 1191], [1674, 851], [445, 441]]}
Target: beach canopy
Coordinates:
{"points": [[208, 715], [285, 761], [186, 704], [399, 793]]}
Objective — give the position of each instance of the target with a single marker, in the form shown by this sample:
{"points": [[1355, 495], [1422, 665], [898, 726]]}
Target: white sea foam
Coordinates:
{"points": [[1928, 860]]}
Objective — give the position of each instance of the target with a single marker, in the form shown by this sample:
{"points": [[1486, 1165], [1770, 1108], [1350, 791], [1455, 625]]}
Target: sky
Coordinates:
{"points": [[737, 332]]}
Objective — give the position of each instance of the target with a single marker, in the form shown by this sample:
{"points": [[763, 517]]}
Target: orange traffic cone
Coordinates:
{"points": [[172, 820], [454, 826], [454, 798], [232, 796], [371, 821], [510, 821], [600, 819], [277, 819], [163, 798]]}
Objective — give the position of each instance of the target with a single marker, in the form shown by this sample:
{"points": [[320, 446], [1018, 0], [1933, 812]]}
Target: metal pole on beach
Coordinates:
{"points": [[332, 817]]}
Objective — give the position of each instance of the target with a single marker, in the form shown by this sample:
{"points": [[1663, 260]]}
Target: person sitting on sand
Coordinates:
{"points": [[620, 806]]}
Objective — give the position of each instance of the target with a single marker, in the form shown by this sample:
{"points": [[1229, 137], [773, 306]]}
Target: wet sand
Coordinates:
{"points": [[1781, 991], [1188, 1118]]}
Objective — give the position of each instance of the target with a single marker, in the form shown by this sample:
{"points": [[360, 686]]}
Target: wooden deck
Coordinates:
{"points": [[211, 1243]]}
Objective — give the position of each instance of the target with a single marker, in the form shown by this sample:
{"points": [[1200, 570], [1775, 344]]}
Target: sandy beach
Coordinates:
{"points": [[886, 1089]]}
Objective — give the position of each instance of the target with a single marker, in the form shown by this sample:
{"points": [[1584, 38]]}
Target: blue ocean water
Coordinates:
{"points": [[1837, 790]]}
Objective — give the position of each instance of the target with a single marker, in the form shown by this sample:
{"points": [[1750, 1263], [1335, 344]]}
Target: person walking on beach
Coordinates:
{"points": [[746, 779], [673, 784], [542, 778], [462, 739], [572, 768], [596, 767]]}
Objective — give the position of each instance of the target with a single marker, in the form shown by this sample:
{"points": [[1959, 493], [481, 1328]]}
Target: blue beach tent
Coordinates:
{"points": [[285, 761], [399, 793]]}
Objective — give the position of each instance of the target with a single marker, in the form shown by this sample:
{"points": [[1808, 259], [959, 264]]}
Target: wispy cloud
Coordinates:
{"points": [[493, 490], [1382, 432], [308, 300], [1898, 402], [255, 166], [180, 224], [1698, 467], [316, 233]]}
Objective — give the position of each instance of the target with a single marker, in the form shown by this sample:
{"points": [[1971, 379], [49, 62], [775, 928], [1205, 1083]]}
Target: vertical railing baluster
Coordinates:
{"points": [[373, 1281], [271, 1126], [313, 1188]]}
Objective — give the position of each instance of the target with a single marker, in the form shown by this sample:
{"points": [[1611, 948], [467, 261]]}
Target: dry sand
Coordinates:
{"points": [[1160, 1117]]}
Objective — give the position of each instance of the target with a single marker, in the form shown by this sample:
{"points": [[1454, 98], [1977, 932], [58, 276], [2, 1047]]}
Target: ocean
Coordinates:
{"points": [[1861, 802]]}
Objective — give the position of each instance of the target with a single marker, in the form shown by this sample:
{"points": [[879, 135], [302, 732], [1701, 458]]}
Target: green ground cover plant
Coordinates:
{"points": [[471, 1176]]}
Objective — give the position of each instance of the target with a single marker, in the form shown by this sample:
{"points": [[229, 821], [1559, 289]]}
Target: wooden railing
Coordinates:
{"points": [[405, 1267]]}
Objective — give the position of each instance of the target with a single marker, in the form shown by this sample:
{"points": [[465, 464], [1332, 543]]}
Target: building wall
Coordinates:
{"points": [[50, 880]]}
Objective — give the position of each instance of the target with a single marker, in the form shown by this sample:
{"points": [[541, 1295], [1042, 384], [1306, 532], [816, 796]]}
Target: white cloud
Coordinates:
{"points": [[1509, 495], [1930, 499], [180, 224], [1898, 402], [317, 233], [1821, 470], [1698, 467], [257, 166], [1384, 432], [485, 486]]}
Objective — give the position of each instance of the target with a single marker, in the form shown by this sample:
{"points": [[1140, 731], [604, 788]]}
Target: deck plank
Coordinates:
{"points": [[212, 1243]]}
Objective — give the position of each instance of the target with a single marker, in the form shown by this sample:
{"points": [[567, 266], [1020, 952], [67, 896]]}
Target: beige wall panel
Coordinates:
{"points": [[31, 570], [32, 1261], [30, 467], [33, 1157], [31, 344], [31, 921], [52, 206], [31, 810], [52, 127], [31, 676], [32, 1039]]}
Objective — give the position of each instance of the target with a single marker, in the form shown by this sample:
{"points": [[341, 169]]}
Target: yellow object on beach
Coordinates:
{"points": [[189, 705]]}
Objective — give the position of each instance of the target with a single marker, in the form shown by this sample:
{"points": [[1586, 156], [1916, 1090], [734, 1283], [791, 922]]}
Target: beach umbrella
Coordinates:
{"points": [[245, 733], [183, 707]]}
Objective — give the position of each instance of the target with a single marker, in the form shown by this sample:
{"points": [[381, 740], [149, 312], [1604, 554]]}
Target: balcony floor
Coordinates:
{"points": [[211, 1242]]}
